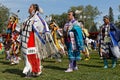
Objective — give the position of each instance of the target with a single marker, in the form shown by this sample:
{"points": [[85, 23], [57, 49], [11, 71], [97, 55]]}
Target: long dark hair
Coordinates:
{"points": [[36, 7]]}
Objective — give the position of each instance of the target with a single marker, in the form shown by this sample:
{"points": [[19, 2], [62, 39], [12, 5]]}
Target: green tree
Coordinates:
{"points": [[4, 15], [88, 14], [60, 19], [117, 22], [93, 27], [111, 16]]}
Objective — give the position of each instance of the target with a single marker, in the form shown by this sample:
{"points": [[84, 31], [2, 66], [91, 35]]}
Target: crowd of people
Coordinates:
{"points": [[36, 40]]}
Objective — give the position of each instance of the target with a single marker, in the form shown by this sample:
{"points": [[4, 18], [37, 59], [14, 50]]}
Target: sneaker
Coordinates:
{"points": [[12, 63], [76, 68], [101, 57], [105, 67], [69, 70], [114, 65], [28, 76], [59, 60], [36, 74], [86, 59], [19, 58]]}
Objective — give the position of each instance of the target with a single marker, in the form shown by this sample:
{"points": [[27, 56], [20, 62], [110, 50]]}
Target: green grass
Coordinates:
{"points": [[88, 70]]}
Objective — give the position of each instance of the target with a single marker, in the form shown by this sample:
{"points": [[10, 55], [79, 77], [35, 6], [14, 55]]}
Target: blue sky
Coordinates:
{"points": [[60, 6]]}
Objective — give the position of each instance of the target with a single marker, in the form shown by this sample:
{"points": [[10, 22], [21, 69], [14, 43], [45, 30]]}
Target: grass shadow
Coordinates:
{"points": [[94, 58], [89, 65], [2, 58], [14, 71], [54, 67], [49, 61], [5, 62]]}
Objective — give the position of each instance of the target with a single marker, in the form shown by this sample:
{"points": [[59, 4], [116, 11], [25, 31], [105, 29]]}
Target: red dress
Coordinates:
{"points": [[33, 57]]}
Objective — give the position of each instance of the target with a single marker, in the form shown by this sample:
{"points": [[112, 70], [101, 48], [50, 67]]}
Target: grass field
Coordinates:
{"points": [[88, 70]]}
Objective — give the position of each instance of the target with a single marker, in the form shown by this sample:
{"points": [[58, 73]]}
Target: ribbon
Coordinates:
{"points": [[37, 33]]}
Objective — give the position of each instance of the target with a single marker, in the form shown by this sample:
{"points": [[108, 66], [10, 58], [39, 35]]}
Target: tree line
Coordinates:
{"points": [[4, 15], [87, 14]]}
